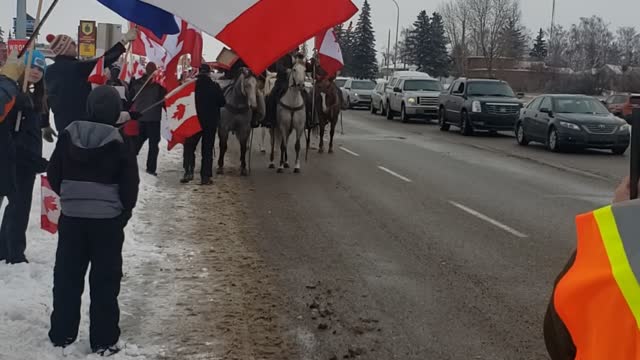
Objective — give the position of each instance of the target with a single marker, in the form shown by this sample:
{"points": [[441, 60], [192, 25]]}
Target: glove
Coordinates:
{"points": [[48, 134], [130, 35], [13, 68]]}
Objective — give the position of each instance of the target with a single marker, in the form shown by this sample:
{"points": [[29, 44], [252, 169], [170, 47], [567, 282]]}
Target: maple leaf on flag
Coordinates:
{"points": [[179, 114], [50, 203]]}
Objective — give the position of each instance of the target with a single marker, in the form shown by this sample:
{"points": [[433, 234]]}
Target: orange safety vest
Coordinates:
{"points": [[598, 299]]}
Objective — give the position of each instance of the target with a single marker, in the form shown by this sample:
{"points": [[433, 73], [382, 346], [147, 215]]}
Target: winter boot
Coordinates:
{"points": [[109, 350], [206, 181]]}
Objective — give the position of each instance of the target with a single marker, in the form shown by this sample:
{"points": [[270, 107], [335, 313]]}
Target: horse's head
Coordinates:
{"points": [[249, 88], [296, 77]]}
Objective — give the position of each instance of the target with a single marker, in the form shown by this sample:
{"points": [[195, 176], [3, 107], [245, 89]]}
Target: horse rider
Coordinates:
{"points": [[282, 68]]}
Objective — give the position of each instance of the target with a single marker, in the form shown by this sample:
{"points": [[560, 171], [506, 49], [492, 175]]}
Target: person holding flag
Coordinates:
{"points": [[66, 79]]}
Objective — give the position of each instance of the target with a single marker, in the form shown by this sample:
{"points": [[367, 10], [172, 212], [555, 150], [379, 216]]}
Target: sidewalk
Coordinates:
{"points": [[193, 286]]}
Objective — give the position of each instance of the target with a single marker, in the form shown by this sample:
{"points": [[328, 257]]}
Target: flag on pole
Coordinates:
{"points": [[50, 210], [149, 16], [131, 71], [181, 119], [97, 75], [329, 52], [240, 24]]}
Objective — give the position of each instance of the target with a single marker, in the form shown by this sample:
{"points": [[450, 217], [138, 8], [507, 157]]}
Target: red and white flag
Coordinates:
{"points": [[131, 71], [97, 75], [329, 52], [181, 120], [50, 211], [252, 28]]}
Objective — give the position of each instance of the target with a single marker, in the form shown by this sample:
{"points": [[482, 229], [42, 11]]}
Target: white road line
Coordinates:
{"points": [[488, 219], [349, 151], [394, 174]]}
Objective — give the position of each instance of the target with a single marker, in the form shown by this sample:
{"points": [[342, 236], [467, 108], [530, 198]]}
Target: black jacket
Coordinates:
{"points": [[8, 91], [68, 87], [94, 172], [28, 139], [209, 101], [150, 95]]}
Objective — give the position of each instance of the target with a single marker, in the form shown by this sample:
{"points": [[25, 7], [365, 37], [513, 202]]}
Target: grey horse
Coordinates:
{"points": [[236, 116]]}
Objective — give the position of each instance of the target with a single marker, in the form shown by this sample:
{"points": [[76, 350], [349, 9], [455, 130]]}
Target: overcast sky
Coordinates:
{"points": [[537, 13]]}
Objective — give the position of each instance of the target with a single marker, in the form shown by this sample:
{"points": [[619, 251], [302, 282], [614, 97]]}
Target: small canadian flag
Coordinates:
{"points": [[50, 212], [181, 120], [97, 75], [131, 71]]}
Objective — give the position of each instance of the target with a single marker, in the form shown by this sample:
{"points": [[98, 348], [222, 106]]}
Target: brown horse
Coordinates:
{"points": [[328, 100]]}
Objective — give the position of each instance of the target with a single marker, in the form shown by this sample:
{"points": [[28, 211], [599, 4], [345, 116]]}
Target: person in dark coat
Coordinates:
{"points": [[96, 176], [66, 79], [282, 68], [27, 142], [149, 124], [209, 101], [9, 75]]}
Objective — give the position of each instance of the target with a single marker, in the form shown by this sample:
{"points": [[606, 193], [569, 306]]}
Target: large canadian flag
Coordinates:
{"points": [[329, 52], [97, 75], [181, 119], [260, 31], [50, 211], [166, 51]]}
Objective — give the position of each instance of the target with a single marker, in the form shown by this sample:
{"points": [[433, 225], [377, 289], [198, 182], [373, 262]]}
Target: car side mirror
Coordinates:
{"points": [[520, 95], [604, 102], [397, 89], [546, 111]]}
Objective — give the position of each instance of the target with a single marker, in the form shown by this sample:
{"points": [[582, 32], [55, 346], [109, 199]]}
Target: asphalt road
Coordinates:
{"points": [[410, 243]]}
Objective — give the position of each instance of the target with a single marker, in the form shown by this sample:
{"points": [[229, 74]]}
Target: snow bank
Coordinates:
{"points": [[26, 293]]}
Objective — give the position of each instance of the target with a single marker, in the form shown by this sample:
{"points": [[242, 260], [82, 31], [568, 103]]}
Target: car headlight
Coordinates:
{"points": [[624, 128], [356, 94], [569, 125], [476, 107], [411, 100]]}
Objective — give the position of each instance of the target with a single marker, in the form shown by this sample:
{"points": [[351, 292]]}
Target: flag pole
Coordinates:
{"points": [[27, 70], [38, 24]]}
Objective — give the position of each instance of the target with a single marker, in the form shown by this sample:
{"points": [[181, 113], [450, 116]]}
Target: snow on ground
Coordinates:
{"points": [[26, 289]]}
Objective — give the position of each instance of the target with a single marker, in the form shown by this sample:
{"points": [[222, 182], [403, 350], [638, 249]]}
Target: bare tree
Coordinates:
{"points": [[590, 44], [456, 21], [628, 41], [558, 45], [487, 20]]}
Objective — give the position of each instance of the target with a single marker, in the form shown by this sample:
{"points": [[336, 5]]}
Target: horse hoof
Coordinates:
{"points": [[286, 165], [280, 171], [272, 166], [320, 151], [220, 171], [296, 171], [243, 172], [330, 151]]}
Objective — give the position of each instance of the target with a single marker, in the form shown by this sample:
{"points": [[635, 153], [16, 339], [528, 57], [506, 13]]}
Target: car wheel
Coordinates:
{"points": [[373, 109], [520, 135], [389, 112], [465, 125], [442, 120], [619, 150], [553, 143], [403, 114]]}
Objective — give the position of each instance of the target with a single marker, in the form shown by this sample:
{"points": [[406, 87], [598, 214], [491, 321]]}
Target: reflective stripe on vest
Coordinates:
{"points": [[598, 299]]}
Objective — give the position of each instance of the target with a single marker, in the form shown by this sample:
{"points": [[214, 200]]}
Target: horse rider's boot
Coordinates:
{"points": [[188, 176]]}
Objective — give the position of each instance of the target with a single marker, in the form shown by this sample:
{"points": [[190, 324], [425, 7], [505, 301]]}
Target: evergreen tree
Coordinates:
{"points": [[539, 51], [438, 61], [345, 40], [514, 42], [365, 65], [420, 41]]}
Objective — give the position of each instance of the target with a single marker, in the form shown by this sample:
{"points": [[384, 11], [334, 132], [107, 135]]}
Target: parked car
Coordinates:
{"points": [[622, 105], [413, 96], [562, 121], [479, 104], [359, 92], [378, 97]]}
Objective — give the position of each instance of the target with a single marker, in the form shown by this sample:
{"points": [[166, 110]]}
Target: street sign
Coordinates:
{"points": [[15, 45], [31, 25], [87, 35]]}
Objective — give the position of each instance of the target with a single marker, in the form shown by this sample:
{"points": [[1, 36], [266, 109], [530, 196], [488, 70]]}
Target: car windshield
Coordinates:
{"points": [[579, 106], [363, 85], [490, 88], [422, 85], [341, 82]]}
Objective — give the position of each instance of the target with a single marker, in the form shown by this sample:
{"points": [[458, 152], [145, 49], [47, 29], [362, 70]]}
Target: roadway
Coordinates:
{"points": [[410, 243]]}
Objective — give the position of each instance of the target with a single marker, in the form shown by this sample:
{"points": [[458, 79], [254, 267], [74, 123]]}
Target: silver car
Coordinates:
{"points": [[359, 92], [378, 98], [413, 97]]}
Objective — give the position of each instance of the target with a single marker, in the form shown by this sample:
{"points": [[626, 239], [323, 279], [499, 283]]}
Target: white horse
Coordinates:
{"points": [[291, 115], [269, 82]]}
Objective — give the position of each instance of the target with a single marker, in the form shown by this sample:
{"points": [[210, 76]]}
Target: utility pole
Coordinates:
{"points": [[21, 19], [388, 50], [395, 53], [553, 25]]}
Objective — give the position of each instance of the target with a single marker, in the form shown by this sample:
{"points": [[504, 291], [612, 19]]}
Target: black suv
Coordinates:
{"points": [[479, 104]]}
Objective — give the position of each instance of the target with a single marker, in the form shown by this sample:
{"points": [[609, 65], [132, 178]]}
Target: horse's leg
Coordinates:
{"points": [[322, 128], [299, 132], [223, 136], [285, 136], [243, 139], [331, 133], [283, 153], [272, 133]]}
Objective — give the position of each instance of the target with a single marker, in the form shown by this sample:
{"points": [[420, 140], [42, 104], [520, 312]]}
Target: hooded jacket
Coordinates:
{"points": [[68, 87], [8, 91], [92, 168]]}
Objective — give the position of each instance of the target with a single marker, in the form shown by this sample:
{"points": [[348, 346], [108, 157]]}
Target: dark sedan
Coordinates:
{"points": [[563, 121]]}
